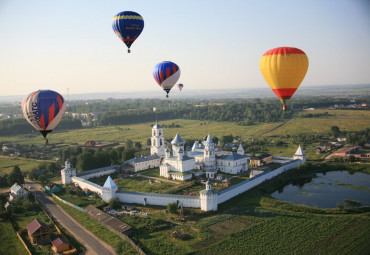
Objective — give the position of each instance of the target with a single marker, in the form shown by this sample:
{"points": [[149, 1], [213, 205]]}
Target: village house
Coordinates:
{"points": [[17, 191], [60, 245], [38, 232]]}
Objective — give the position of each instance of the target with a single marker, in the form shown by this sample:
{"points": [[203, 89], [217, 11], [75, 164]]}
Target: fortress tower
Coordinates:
{"points": [[208, 198], [67, 173], [109, 189], [299, 154]]}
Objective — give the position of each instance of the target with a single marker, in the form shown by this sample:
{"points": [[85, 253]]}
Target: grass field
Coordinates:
{"points": [[346, 120], [10, 244], [7, 164]]}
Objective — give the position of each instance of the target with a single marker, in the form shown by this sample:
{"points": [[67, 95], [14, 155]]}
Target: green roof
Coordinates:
{"points": [[180, 173]]}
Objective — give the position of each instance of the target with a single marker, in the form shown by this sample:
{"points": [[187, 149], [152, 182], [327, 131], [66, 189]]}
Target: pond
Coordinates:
{"points": [[327, 189]]}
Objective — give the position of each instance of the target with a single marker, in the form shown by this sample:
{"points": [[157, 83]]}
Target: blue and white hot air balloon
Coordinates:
{"points": [[166, 74], [44, 109]]}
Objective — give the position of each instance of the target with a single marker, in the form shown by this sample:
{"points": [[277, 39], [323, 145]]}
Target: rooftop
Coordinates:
{"points": [[142, 159], [232, 156], [107, 219], [97, 170], [177, 139], [109, 183], [34, 225], [15, 188], [59, 241]]}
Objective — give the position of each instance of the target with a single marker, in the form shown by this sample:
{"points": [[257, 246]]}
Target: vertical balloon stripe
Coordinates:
{"points": [[168, 72], [51, 113], [60, 103], [42, 122], [161, 75]]}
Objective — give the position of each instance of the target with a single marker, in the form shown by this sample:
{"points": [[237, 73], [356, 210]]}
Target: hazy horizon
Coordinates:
{"points": [[329, 90]]}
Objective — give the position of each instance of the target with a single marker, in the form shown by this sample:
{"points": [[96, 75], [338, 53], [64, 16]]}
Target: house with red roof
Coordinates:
{"points": [[38, 232], [60, 245]]}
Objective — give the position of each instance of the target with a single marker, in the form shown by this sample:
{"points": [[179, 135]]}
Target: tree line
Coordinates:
{"points": [[21, 126]]}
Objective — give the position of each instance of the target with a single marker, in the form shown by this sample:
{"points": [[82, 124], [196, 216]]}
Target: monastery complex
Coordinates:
{"points": [[182, 164]]}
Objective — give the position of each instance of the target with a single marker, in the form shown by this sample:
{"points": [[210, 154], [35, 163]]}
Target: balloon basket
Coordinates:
{"points": [[128, 51]]}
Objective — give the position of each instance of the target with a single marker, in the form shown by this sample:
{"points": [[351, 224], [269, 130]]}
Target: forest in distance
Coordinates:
{"points": [[133, 111]]}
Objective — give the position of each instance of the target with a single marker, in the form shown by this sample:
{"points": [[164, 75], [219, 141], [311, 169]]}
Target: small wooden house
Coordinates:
{"points": [[60, 245], [38, 232]]}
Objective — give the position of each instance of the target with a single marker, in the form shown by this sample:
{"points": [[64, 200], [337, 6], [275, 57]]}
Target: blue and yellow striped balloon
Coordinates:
{"points": [[128, 26]]}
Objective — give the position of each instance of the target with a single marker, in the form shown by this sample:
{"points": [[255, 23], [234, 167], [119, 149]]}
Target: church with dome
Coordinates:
{"points": [[184, 164]]}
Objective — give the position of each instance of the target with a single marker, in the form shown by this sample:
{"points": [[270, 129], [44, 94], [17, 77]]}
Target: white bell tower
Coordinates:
{"points": [[157, 141], [209, 154]]}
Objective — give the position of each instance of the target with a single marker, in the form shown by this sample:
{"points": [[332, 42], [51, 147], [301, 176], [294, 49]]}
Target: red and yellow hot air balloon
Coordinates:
{"points": [[284, 69]]}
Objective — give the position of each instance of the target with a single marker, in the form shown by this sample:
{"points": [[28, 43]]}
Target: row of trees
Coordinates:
{"points": [[87, 158], [244, 113], [21, 126]]}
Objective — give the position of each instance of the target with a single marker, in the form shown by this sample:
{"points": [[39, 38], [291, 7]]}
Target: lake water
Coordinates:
{"points": [[326, 190]]}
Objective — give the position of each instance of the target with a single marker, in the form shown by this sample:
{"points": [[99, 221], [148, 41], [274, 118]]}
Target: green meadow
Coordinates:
{"points": [[346, 120], [10, 244], [25, 164]]}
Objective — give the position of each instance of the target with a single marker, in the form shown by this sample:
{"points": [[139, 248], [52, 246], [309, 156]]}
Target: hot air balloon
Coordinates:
{"points": [[44, 109], [284, 69], [166, 75], [180, 86], [128, 26]]}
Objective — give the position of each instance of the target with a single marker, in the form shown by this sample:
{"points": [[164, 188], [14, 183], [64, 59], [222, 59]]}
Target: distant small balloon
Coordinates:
{"points": [[180, 86], [166, 74], [284, 69], [44, 109], [128, 26]]}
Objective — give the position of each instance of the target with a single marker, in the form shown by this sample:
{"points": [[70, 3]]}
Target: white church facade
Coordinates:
{"points": [[184, 165]]}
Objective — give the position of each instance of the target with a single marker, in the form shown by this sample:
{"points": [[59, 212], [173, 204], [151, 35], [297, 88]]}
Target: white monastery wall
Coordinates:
{"points": [[97, 172], [157, 199], [235, 190], [82, 183]]}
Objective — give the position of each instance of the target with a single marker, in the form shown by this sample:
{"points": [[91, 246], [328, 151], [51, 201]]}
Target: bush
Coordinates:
{"points": [[114, 203], [172, 207]]}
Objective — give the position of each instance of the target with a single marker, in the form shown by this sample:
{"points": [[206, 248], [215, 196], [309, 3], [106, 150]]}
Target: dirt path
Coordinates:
{"points": [[276, 128], [158, 179]]}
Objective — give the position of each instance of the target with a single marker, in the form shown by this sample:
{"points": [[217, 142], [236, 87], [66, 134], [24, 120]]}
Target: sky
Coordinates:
{"points": [[70, 46]]}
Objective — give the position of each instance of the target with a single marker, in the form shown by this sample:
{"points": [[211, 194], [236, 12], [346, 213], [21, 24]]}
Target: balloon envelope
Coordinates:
{"points": [[44, 109], [284, 69], [128, 26], [180, 86], [166, 74]]}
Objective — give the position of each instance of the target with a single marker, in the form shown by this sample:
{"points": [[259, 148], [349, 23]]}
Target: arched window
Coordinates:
{"points": [[161, 142], [159, 132], [154, 142]]}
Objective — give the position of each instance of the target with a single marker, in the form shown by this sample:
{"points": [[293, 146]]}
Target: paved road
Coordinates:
{"points": [[92, 243]]}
